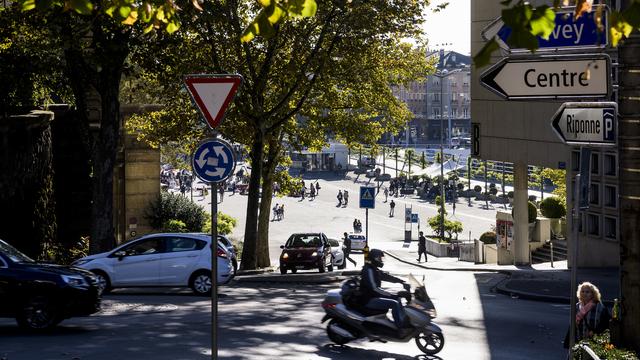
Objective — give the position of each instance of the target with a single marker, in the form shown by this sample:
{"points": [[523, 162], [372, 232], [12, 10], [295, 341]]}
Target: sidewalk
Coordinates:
{"points": [[536, 282]]}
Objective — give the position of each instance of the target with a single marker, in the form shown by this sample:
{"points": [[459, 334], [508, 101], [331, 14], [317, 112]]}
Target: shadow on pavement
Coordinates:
{"points": [[332, 351]]}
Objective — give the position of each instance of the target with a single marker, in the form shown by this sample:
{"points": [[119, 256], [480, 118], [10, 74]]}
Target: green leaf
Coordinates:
{"points": [[28, 5], [109, 11], [172, 26], [543, 22], [249, 33], [124, 11], [148, 29], [483, 57], [619, 28], [83, 7], [302, 8], [275, 14]]}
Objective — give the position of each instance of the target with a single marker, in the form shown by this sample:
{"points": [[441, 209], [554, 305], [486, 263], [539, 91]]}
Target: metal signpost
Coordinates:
{"points": [[213, 161], [568, 34], [367, 201], [586, 123], [550, 77]]}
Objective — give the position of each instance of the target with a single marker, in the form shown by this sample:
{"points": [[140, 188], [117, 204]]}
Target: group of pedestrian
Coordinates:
{"points": [[278, 212], [357, 226], [343, 198]]}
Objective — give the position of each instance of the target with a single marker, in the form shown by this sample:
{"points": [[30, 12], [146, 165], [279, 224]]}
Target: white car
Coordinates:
{"points": [[337, 254], [164, 259], [358, 241]]}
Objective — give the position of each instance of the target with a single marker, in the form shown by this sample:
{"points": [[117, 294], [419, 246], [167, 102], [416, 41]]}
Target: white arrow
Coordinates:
{"points": [[201, 161], [219, 150], [217, 173]]}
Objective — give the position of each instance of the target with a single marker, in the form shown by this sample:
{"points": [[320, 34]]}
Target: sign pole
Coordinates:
{"points": [[366, 234], [574, 262], [214, 270]]}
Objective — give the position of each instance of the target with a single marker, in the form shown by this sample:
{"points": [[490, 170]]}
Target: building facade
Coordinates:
{"points": [[440, 104]]}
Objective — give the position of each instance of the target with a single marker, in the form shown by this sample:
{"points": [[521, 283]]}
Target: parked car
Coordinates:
{"points": [[305, 251], [337, 253], [358, 241], [164, 259], [39, 296], [233, 251]]}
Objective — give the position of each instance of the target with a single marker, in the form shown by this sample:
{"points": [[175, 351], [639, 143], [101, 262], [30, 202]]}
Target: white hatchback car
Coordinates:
{"points": [[358, 242], [164, 259], [337, 254]]}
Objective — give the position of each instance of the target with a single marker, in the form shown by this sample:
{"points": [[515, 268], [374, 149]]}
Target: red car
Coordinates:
{"points": [[305, 251]]}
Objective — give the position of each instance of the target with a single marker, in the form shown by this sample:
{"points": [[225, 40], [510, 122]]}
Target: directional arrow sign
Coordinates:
{"points": [[569, 33], [213, 160], [592, 123], [212, 94], [550, 77]]}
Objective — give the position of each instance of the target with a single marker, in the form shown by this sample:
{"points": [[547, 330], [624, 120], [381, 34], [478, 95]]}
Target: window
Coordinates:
{"points": [[595, 163], [593, 224], [334, 243], [465, 112], [436, 112], [610, 196], [436, 97], [610, 164], [594, 194], [610, 227], [575, 161], [181, 244], [145, 247]]}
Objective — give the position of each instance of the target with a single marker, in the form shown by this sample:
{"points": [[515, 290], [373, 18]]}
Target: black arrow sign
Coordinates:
{"points": [[581, 123]]}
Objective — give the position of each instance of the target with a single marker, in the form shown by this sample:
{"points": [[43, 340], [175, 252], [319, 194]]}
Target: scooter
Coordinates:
{"points": [[349, 321]]}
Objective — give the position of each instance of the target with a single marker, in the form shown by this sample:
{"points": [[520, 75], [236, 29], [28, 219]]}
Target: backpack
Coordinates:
{"points": [[350, 291]]}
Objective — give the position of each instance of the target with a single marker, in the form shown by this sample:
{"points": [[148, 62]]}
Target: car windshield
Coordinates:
{"points": [[303, 240], [334, 242], [13, 253]]}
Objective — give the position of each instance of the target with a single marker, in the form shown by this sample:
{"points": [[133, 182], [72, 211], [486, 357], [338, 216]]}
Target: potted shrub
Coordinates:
{"points": [[554, 209], [477, 188], [488, 237]]}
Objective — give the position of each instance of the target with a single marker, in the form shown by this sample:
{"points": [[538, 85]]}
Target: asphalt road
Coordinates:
{"points": [[282, 321]]}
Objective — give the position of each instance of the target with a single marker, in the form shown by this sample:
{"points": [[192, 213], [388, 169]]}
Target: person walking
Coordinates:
{"points": [[275, 212], [422, 247], [386, 194], [317, 188], [346, 198], [392, 206], [339, 198], [312, 192], [281, 212], [347, 250], [221, 190], [592, 317]]}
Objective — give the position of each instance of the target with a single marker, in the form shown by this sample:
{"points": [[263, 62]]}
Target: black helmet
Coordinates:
{"points": [[376, 257]]}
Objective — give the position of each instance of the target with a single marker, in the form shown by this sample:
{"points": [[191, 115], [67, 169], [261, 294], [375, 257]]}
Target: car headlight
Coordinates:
{"points": [[80, 262], [315, 253], [285, 256], [75, 281]]}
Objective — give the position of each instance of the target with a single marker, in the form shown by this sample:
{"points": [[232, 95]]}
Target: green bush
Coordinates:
{"points": [[510, 194], [175, 207], [489, 237], [226, 223], [175, 226], [601, 345], [553, 208], [477, 188], [493, 191]]}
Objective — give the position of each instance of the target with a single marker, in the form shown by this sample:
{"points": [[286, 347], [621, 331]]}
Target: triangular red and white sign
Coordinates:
{"points": [[212, 94]]}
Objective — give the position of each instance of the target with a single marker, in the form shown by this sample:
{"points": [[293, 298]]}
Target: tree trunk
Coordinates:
{"points": [[250, 246], [265, 203], [629, 165]]}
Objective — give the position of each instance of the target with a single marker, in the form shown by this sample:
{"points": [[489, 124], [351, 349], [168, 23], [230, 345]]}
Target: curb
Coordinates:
{"points": [[499, 271], [318, 278]]}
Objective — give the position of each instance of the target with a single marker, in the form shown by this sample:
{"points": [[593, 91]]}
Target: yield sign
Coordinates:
{"points": [[212, 94]]}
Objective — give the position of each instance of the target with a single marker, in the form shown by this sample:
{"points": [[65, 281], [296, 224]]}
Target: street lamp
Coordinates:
{"points": [[442, 75]]}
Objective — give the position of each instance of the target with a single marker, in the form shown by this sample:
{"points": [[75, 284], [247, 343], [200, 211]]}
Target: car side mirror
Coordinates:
{"points": [[120, 254], [281, 246]]}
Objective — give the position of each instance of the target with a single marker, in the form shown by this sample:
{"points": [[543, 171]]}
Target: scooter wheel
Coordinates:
{"points": [[430, 343], [334, 337]]}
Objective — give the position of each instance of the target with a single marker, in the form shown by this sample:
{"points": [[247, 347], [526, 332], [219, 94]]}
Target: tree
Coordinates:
{"points": [[329, 74], [423, 161], [408, 155]]}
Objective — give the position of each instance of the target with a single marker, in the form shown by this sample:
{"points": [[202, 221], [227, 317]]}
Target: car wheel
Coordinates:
{"points": [[343, 265], [283, 270], [38, 314], [200, 283], [103, 283], [330, 267], [323, 266], [294, 270], [235, 266]]}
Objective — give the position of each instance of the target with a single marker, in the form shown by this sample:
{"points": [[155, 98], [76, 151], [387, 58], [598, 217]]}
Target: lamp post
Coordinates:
{"points": [[442, 75]]}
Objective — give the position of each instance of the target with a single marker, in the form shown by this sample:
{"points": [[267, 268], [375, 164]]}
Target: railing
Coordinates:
{"points": [[582, 351]]}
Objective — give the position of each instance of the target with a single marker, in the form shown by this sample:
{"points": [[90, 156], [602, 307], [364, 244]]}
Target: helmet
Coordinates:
{"points": [[376, 257]]}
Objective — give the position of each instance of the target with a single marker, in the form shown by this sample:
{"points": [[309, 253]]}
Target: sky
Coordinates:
{"points": [[451, 26]]}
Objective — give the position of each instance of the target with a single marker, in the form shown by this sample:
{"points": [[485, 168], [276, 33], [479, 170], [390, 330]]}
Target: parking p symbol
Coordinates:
{"points": [[609, 119]]}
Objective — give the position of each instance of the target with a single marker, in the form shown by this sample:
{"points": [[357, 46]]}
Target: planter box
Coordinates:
{"points": [[439, 249], [383, 177]]}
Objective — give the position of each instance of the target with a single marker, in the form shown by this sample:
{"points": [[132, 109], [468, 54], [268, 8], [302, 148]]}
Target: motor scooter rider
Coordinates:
{"points": [[375, 298]]}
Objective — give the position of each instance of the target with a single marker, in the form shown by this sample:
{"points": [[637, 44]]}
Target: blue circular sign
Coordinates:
{"points": [[213, 160]]}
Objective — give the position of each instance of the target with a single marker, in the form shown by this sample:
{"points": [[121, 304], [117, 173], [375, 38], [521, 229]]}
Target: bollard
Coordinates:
{"points": [[551, 242]]}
